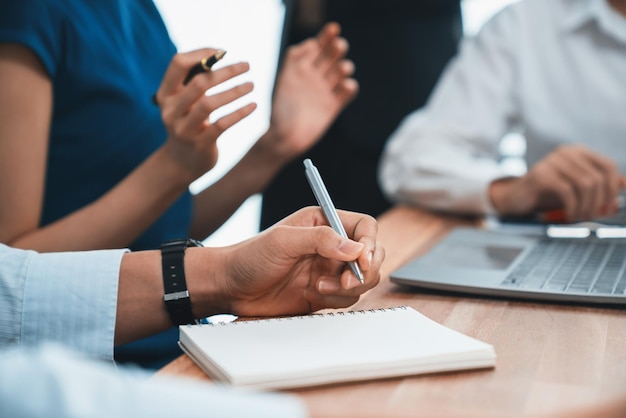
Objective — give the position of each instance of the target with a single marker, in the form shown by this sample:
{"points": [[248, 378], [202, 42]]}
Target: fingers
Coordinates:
{"points": [[586, 184], [331, 56], [342, 70], [178, 69], [317, 240], [319, 301], [346, 91], [345, 87], [326, 52], [225, 122], [331, 292], [370, 269], [307, 262], [614, 184], [594, 180], [324, 58], [328, 33], [332, 51], [186, 108], [197, 87], [361, 245], [363, 229], [359, 227], [590, 186], [572, 184], [201, 110]]}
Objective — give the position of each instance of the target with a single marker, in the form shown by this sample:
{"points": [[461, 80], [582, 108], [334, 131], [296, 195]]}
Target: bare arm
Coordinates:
{"points": [[122, 214], [26, 103], [291, 268]]}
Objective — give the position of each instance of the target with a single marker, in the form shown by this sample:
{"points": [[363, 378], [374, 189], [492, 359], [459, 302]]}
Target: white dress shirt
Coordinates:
{"points": [[71, 299], [553, 70]]}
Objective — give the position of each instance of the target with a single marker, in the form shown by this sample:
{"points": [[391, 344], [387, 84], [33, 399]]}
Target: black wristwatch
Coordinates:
{"points": [[176, 295]]}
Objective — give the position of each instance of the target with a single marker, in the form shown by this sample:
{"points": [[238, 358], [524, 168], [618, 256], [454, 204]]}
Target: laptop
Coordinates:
{"points": [[567, 265]]}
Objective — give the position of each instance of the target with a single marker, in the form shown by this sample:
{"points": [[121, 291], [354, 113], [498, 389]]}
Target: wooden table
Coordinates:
{"points": [[550, 357]]}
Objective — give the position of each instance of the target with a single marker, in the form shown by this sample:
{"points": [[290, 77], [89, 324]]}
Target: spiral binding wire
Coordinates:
{"points": [[301, 317]]}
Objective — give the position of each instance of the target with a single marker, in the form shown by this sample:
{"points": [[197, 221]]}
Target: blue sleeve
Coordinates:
{"points": [[37, 25], [69, 298]]}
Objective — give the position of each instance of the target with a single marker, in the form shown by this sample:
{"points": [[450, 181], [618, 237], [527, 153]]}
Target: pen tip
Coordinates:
{"points": [[220, 54]]}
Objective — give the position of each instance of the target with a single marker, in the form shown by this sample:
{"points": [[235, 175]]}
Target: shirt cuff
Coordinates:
{"points": [[71, 298]]}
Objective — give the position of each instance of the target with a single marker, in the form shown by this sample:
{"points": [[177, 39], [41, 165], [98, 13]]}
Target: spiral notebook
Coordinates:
{"points": [[321, 349]]}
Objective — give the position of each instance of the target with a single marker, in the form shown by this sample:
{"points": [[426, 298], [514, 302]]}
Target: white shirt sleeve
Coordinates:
{"points": [[70, 298], [51, 382], [445, 155]]}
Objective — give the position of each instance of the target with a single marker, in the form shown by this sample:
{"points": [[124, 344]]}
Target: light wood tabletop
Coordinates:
{"points": [[552, 359]]}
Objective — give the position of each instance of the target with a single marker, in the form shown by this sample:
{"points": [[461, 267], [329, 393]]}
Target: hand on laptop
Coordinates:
{"points": [[583, 183]]}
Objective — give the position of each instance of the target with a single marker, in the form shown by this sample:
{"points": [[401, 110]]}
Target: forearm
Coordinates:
{"points": [[438, 170], [93, 300], [140, 308], [505, 202], [273, 273], [118, 217], [214, 205]]}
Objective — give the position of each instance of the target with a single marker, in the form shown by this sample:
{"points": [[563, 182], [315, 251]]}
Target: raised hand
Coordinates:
{"points": [[185, 109], [313, 87]]}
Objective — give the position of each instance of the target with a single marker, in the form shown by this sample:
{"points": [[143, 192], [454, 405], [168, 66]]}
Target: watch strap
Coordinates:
{"points": [[176, 295]]}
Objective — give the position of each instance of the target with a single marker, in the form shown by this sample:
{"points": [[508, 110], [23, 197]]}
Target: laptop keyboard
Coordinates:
{"points": [[573, 266]]}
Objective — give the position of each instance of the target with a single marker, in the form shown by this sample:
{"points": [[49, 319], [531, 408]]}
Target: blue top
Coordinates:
{"points": [[105, 59]]}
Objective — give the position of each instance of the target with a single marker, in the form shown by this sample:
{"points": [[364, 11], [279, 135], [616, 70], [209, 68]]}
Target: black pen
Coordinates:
{"points": [[204, 65]]}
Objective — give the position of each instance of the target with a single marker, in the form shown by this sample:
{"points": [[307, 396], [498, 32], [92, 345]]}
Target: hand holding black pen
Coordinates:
{"points": [[204, 65], [191, 114]]}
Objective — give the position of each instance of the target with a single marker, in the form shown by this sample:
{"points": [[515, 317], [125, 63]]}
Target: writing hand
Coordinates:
{"points": [[299, 265]]}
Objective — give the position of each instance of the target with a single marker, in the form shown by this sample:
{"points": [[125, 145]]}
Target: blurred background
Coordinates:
{"points": [[250, 30]]}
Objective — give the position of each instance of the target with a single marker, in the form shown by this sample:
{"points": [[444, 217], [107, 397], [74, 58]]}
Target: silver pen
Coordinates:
{"points": [[323, 199]]}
